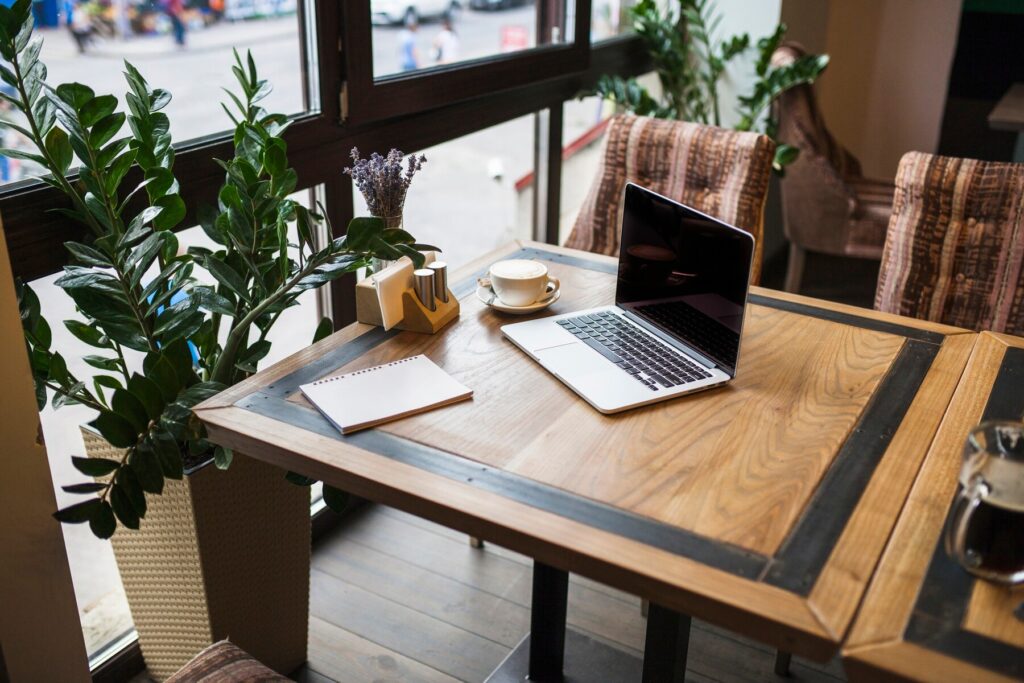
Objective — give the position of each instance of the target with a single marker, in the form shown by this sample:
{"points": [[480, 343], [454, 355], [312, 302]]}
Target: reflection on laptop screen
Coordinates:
{"points": [[685, 273]]}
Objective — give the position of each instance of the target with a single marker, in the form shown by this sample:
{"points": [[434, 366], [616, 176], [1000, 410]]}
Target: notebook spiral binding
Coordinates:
{"points": [[364, 371]]}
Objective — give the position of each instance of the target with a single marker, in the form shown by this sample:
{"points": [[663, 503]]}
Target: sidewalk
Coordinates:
{"points": [[220, 36]]}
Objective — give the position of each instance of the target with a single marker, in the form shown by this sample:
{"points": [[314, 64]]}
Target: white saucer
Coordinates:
{"points": [[486, 294]]}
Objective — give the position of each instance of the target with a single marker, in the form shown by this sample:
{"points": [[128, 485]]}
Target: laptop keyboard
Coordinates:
{"points": [[696, 328], [648, 360]]}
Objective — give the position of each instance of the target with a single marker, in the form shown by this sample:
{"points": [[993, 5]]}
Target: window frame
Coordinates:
{"points": [[366, 98]]}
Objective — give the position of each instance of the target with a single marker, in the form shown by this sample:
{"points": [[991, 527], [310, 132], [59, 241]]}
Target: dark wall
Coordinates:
{"points": [[989, 58]]}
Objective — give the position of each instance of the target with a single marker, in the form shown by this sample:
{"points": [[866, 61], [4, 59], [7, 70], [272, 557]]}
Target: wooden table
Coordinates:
{"points": [[762, 506], [924, 618], [1008, 114]]}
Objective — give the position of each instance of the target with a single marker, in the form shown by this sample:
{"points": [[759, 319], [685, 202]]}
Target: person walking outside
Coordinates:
{"points": [[80, 24], [175, 10], [408, 59], [446, 44]]}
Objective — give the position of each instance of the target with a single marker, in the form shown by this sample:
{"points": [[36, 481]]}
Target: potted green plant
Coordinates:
{"points": [[218, 553], [690, 63]]}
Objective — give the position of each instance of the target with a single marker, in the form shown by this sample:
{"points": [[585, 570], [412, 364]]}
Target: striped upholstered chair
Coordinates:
{"points": [[723, 173], [223, 662], [955, 247]]}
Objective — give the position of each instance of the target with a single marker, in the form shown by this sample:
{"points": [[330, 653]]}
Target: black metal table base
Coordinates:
{"points": [[550, 654], [586, 661]]}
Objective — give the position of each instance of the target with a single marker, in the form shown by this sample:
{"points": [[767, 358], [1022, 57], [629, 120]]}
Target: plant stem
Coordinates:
{"points": [[240, 330], [89, 402]]}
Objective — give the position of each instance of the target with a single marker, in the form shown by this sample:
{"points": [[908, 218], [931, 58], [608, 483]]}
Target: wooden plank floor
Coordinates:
{"points": [[396, 598]]}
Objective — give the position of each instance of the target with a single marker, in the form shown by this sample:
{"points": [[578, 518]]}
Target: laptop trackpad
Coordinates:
{"points": [[574, 361]]}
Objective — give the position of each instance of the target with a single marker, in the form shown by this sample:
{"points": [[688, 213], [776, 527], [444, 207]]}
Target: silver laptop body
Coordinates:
{"points": [[675, 328]]}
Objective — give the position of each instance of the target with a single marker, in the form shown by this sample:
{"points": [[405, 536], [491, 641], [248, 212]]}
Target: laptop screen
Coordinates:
{"points": [[684, 273]]}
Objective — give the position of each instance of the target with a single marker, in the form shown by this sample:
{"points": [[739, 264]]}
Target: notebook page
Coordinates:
{"points": [[369, 397]]}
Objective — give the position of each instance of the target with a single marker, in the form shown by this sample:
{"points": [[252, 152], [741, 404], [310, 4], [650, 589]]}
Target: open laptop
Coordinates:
{"points": [[675, 327]]}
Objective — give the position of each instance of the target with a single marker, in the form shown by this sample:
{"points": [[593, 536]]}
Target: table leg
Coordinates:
{"points": [[782, 660], [668, 639], [547, 623]]}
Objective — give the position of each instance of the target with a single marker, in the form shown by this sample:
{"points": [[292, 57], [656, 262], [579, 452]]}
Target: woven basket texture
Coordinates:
{"points": [[219, 555]]}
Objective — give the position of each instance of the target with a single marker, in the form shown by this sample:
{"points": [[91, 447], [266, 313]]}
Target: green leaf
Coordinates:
{"points": [[129, 483], [173, 211], [227, 276], [116, 173], [75, 94], [79, 512], [59, 149], [125, 404], [362, 231], [28, 156], [336, 499], [87, 255], [167, 453], [102, 363], [91, 487], [117, 430], [199, 392], [148, 394], [123, 507], [147, 468], [102, 521], [97, 108], [165, 377], [248, 359], [94, 467], [324, 329], [222, 457], [211, 301]]}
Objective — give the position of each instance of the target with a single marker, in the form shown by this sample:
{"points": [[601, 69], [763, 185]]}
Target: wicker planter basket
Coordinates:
{"points": [[220, 554]]}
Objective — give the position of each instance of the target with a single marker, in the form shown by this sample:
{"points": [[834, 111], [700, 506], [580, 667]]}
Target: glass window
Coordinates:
{"points": [[102, 605], [610, 18], [409, 35], [85, 42], [469, 197]]}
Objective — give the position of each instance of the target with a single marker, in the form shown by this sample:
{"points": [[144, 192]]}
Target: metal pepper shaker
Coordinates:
{"points": [[440, 269], [423, 279]]}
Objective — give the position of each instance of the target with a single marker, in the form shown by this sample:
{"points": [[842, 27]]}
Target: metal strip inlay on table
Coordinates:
{"points": [[521, 489], [937, 620], [806, 550], [794, 568]]}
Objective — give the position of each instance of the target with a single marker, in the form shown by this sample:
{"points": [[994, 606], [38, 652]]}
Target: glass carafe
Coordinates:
{"points": [[985, 530]]}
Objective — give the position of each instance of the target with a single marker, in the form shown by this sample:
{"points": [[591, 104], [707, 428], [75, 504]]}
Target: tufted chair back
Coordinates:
{"points": [[955, 248], [723, 173]]}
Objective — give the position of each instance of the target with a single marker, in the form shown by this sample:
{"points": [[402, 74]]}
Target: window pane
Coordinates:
{"points": [[411, 35], [470, 196], [101, 601], [610, 18], [194, 73]]}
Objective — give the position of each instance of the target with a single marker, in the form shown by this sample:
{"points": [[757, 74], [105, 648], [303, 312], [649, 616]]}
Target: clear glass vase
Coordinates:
{"points": [[376, 264]]}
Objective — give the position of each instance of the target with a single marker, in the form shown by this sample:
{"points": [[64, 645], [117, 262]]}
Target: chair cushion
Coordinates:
{"points": [[955, 247], [223, 662], [723, 173]]}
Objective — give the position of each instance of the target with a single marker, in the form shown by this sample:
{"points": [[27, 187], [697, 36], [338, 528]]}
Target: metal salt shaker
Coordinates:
{"points": [[424, 283], [440, 269]]}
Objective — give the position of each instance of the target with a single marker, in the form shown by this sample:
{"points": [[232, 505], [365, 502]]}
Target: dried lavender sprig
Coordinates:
{"points": [[383, 181]]}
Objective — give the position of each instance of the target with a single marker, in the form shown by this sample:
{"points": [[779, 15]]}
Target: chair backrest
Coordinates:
{"points": [[954, 252], [816, 200], [723, 173], [800, 121]]}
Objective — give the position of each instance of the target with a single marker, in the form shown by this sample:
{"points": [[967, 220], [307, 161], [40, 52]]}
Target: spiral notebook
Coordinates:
{"points": [[367, 398]]}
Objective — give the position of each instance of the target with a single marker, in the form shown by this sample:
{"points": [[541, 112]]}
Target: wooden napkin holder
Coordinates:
{"points": [[415, 316]]}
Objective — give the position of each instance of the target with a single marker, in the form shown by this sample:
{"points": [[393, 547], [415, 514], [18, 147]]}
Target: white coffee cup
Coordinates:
{"points": [[521, 282]]}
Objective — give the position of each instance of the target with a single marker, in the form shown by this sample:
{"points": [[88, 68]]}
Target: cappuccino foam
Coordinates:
{"points": [[518, 269]]}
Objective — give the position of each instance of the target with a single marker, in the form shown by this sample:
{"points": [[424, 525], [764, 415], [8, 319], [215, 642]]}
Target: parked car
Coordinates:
{"points": [[496, 4], [407, 11]]}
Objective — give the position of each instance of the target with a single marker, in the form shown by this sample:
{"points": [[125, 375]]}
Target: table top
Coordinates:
{"points": [[923, 616], [762, 506], [1008, 113]]}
